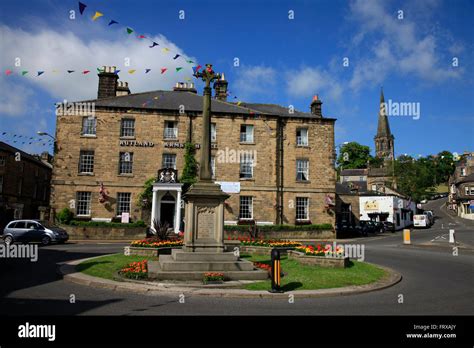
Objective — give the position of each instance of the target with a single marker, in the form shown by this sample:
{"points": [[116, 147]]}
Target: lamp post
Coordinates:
{"points": [[40, 133], [339, 147], [207, 75]]}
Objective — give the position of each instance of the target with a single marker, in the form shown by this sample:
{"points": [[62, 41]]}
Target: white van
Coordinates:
{"points": [[421, 220]]}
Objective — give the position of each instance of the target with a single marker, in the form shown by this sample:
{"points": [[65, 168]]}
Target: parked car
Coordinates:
{"points": [[421, 220], [388, 226], [28, 231], [430, 215], [368, 226], [424, 201]]}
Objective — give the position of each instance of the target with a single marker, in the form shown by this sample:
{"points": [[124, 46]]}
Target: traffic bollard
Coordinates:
{"points": [[406, 236], [452, 236], [276, 269]]}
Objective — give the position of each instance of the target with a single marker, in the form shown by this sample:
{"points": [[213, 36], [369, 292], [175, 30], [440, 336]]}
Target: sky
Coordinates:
{"points": [[420, 52]]}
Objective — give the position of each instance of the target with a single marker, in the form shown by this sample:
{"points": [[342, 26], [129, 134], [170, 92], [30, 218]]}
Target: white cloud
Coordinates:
{"points": [[308, 81], [253, 80], [14, 100], [49, 49]]}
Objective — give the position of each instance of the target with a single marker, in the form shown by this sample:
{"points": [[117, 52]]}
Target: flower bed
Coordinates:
{"points": [[154, 243], [213, 277], [135, 270], [268, 243], [321, 250]]}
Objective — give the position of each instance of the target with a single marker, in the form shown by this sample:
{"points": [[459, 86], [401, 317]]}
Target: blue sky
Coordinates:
{"points": [[284, 61]]}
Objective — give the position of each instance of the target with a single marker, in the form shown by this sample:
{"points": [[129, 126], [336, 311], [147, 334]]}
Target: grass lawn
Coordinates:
{"points": [[297, 276], [107, 266], [305, 277]]}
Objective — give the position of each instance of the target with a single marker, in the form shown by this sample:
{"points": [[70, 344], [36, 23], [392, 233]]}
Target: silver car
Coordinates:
{"points": [[31, 231]]}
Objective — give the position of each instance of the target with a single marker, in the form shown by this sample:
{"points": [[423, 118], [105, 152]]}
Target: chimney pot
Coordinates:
{"points": [[315, 106]]}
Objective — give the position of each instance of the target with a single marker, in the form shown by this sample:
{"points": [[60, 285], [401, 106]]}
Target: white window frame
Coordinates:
{"points": [[463, 171], [246, 166], [247, 136], [302, 203], [83, 203], [3, 160], [164, 161], [213, 167], [86, 161], [247, 202], [89, 126], [302, 166], [302, 139], [127, 127], [125, 167], [171, 132], [121, 203]]}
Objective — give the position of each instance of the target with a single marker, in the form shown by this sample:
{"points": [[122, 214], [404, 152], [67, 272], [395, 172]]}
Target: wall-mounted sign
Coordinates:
{"points": [[181, 145], [371, 205], [125, 218], [229, 186], [136, 143]]}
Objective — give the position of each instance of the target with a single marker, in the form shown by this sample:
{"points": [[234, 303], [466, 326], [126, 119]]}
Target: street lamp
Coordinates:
{"points": [[40, 133], [339, 147]]}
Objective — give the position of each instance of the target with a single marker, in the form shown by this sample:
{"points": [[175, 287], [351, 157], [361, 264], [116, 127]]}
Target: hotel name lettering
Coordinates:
{"points": [[166, 145]]}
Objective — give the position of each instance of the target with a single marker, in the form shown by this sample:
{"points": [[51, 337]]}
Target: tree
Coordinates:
{"points": [[353, 156], [188, 177], [146, 196]]}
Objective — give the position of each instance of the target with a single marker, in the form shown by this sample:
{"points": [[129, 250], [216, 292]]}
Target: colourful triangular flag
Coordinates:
{"points": [[86, 72], [40, 72], [131, 71], [100, 70], [24, 72], [141, 36], [82, 7], [116, 72], [97, 15], [190, 61], [176, 56], [113, 22], [239, 102], [8, 72], [70, 71], [178, 69], [188, 79], [147, 71], [129, 30], [163, 70], [154, 44], [165, 49]]}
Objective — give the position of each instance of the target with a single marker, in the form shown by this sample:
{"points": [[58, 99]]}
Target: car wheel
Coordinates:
{"points": [[8, 240], [45, 240]]}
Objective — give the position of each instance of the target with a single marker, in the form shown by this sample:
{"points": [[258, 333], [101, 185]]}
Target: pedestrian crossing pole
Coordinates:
{"points": [[276, 272], [406, 236], [452, 237]]}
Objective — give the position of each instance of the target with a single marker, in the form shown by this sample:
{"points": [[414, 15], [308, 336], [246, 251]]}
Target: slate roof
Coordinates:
{"points": [[344, 188], [463, 179], [353, 172], [171, 101], [8, 148]]}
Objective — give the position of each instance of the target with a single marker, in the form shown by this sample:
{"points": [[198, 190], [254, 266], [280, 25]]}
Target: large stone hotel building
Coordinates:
{"points": [[276, 163]]}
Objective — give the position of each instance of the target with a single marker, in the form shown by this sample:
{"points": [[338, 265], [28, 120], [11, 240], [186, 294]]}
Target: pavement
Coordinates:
{"points": [[435, 282]]}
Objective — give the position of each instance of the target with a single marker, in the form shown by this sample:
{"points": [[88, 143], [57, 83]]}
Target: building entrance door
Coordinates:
{"points": [[167, 209]]}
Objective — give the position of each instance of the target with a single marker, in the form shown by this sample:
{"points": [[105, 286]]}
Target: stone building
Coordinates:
{"points": [[24, 184], [461, 183], [275, 162]]}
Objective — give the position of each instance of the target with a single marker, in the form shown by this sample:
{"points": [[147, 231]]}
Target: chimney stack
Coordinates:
{"points": [[107, 83], [122, 88], [184, 87], [220, 87], [316, 106]]}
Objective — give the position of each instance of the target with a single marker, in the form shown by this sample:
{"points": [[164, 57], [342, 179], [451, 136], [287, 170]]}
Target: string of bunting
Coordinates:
{"points": [[24, 139], [129, 31]]}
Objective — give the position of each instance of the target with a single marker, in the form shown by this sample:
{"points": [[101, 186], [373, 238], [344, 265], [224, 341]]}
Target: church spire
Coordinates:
{"points": [[384, 140]]}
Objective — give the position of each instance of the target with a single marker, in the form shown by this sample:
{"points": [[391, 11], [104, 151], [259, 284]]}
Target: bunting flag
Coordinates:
{"points": [[86, 72], [39, 73], [24, 72], [70, 71], [8, 72], [97, 15], [129, 31], [100, 70], [154, 44], [112, 22], [176, 56], [165, 50], [82, 7], [163, 70], [178, 69], [190, 61], [116, 72], [147, 71], [141, 36], [131, 71], [239, 102]]}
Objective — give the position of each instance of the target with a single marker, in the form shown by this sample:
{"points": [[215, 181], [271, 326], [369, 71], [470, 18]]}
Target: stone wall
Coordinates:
{"points": [[105, 233], [293, 235]]}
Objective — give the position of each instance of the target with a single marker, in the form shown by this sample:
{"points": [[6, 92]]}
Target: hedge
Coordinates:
{"points": [[139, 223], [245, 228]]}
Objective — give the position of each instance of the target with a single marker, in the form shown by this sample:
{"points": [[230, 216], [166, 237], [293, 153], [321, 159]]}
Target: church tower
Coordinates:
{"points": [[384, 140]]}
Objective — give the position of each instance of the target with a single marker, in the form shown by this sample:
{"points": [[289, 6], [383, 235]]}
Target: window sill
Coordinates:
{"points": [[92, 136], [303, 146], [126, 175], [246, 143], [170, 139], [86, 174], [127, 138], [303, 181], [247, 179]]}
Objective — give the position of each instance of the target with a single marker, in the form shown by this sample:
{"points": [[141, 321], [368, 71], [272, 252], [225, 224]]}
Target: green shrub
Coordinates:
{"points": [[138, 223], [65, 216], [244, 228]]}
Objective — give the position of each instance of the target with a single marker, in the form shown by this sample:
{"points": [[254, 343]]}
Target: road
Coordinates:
{"points": [[435, 282]]}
